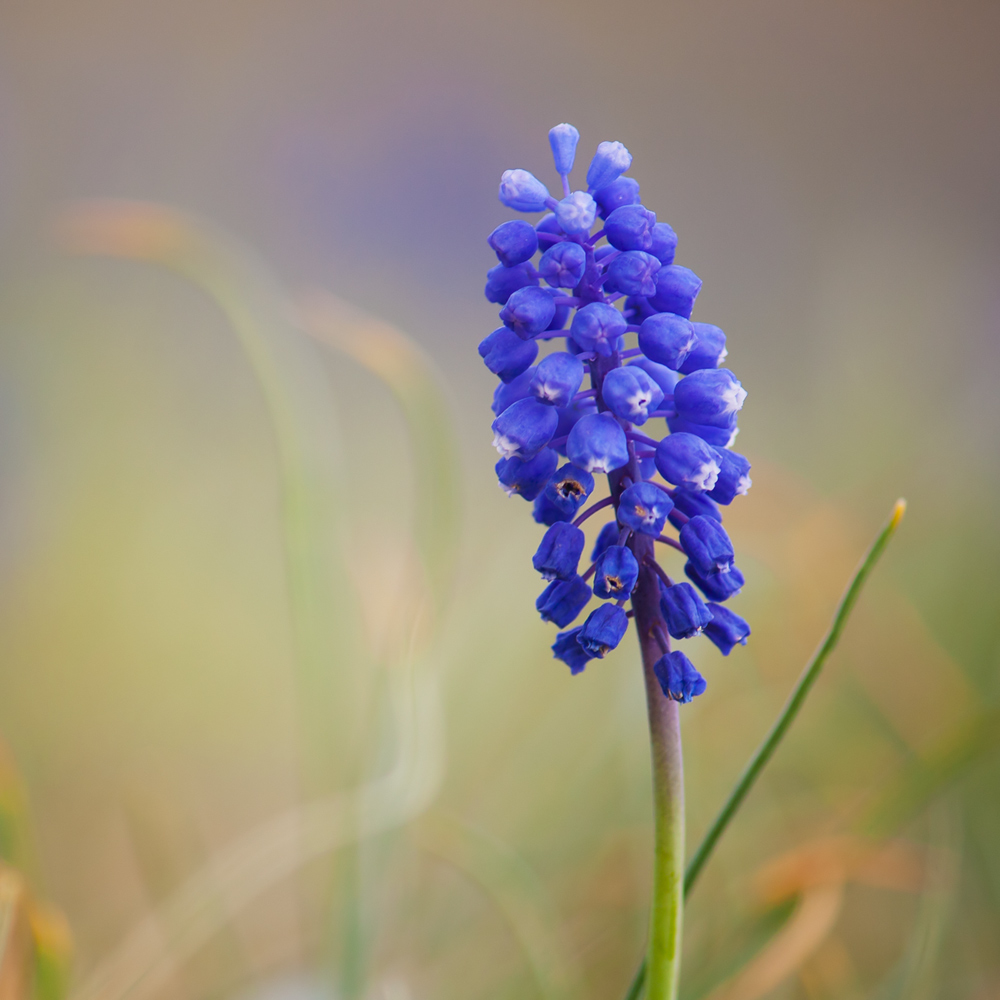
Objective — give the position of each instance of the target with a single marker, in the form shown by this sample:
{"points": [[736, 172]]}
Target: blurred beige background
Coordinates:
{"points": [[832, 172]]}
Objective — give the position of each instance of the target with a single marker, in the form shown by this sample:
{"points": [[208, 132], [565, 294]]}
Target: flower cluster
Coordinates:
{"points": [[605, 272]]}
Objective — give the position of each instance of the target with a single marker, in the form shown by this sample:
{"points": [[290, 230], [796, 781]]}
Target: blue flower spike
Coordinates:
{"points": [[553, 280]]}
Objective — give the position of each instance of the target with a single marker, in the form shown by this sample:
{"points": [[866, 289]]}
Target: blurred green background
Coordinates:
{"points": [[167, 486]]}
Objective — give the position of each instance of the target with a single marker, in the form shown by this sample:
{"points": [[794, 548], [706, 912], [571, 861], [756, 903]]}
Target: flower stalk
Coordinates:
{"points": [[667, 908]]}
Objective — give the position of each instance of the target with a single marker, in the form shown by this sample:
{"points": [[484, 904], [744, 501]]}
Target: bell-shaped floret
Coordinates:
{"points": [[569, 488], [514, 242], [597, 327], [563, 264], [624, 191], [603, 630], [715, 586], [568, 417], [717, 437], [563, 139], [634, 272], [734, 480], [709, 397], [562, 600], [608, 535], [524, 429], [545, 512], [502, 282], [726, 628], [576, 212], [610, 161], [597, 443], [666, 338], [676, 289], [507, 393], [523, 191], [709, 350], [685, 460], [568, 649], [683, 610], [678, 677], [631, 394], [692, 503], [528, 311], [557, 378], [616, 573], [630, 228], [558, 555], [664, 243], [660, 374], [707, 545], [506, 354], [644, 507], [637, 308], [561, 314], [526, 479]]}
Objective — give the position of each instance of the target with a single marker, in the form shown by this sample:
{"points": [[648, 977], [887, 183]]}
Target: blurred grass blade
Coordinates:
{"points": [[795, 701], [15, 936], [190, 916], [17, 842], [923, 779], [810, 924], [914, 978], [303, 417], [53, 951], [516, 891], [400, 363]]}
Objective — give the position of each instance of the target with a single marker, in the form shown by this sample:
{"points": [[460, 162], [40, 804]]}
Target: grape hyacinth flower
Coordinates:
{"points": [[586, 399], [619, 280]]}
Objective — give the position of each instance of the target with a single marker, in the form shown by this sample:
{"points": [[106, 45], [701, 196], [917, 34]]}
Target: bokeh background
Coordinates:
{"points": [[235, 583]]}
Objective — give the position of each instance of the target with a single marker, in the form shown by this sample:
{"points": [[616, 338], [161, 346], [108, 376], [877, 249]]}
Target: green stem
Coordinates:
{"points": [[667, 910], [766, 750]]}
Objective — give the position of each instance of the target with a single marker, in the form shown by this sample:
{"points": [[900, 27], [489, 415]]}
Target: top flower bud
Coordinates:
{"points": [[609, 163], [523, 191], [576, 212], [563, 139]]}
